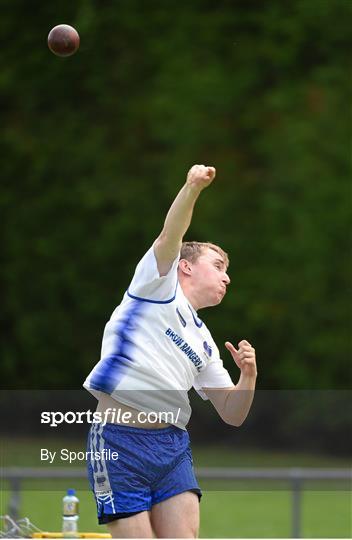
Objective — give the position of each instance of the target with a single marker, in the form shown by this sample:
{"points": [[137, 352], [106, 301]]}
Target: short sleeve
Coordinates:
{"points": [[213, 376], [147, 284]]}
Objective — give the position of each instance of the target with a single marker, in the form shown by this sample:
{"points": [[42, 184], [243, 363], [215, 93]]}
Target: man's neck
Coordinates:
{"points": [[191, 297]]}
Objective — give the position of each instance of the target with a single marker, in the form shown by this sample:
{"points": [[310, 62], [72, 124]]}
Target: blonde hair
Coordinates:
{"points": [[191, 251]]}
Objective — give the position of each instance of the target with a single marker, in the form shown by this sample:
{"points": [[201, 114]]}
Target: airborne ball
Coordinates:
{"points": [[63, 40]]}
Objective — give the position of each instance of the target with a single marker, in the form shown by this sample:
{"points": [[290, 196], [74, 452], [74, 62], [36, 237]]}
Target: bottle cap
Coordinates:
{"points": [[71, 491]]}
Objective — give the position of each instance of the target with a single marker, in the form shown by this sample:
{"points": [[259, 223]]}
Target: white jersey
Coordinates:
{"points": [[155, 348]]}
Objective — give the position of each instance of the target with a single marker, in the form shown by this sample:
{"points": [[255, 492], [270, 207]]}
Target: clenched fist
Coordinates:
{"points": [[200, 176], [244, 357]]}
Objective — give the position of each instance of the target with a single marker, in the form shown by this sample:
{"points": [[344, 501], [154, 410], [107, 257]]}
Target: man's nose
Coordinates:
{"points": [[226, 279]]}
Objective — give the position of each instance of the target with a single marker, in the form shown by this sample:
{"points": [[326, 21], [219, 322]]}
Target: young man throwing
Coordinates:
{"points": [[155, 348]]}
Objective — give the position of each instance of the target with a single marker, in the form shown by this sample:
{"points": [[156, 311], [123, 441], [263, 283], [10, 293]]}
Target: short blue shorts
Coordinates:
{"points": [[152, 465]]}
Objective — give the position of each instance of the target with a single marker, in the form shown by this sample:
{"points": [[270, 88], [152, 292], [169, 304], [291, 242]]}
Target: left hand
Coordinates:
{"points": [[200, 176], [244, 357]]}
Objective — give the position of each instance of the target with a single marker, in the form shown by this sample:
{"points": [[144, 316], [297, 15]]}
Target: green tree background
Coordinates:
{"points": [[94, 148]]}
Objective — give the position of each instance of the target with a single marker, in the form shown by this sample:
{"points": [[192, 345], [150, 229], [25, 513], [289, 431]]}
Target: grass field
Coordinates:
{"points": [[224, 514], [262, 511]]}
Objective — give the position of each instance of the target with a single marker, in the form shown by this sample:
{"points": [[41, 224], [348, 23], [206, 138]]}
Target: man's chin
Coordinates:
{"points": [[213, 301], [217, 300]]}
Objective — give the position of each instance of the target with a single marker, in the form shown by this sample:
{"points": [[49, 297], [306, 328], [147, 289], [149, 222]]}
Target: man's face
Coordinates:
{"points": [[209, 278]]}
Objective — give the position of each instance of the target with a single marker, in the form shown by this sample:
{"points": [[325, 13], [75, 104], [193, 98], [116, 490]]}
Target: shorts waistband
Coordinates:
{"points": [[138, 430]]}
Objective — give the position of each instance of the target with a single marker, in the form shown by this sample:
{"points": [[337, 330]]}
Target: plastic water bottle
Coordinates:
{"points": [[70, 515]]}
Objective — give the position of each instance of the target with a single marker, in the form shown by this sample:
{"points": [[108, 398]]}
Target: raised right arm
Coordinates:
{"points": [[178, 219]]}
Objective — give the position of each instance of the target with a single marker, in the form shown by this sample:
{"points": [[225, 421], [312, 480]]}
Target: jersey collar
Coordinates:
{"points": [[197, 321]]}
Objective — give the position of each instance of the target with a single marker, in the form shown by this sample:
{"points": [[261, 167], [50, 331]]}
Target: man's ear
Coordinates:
{"points": [[185, 267]]}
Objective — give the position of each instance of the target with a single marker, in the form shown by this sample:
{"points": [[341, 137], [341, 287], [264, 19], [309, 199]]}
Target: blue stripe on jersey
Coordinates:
{"points": [[199, 322], [110, 369], [152, 301]]}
